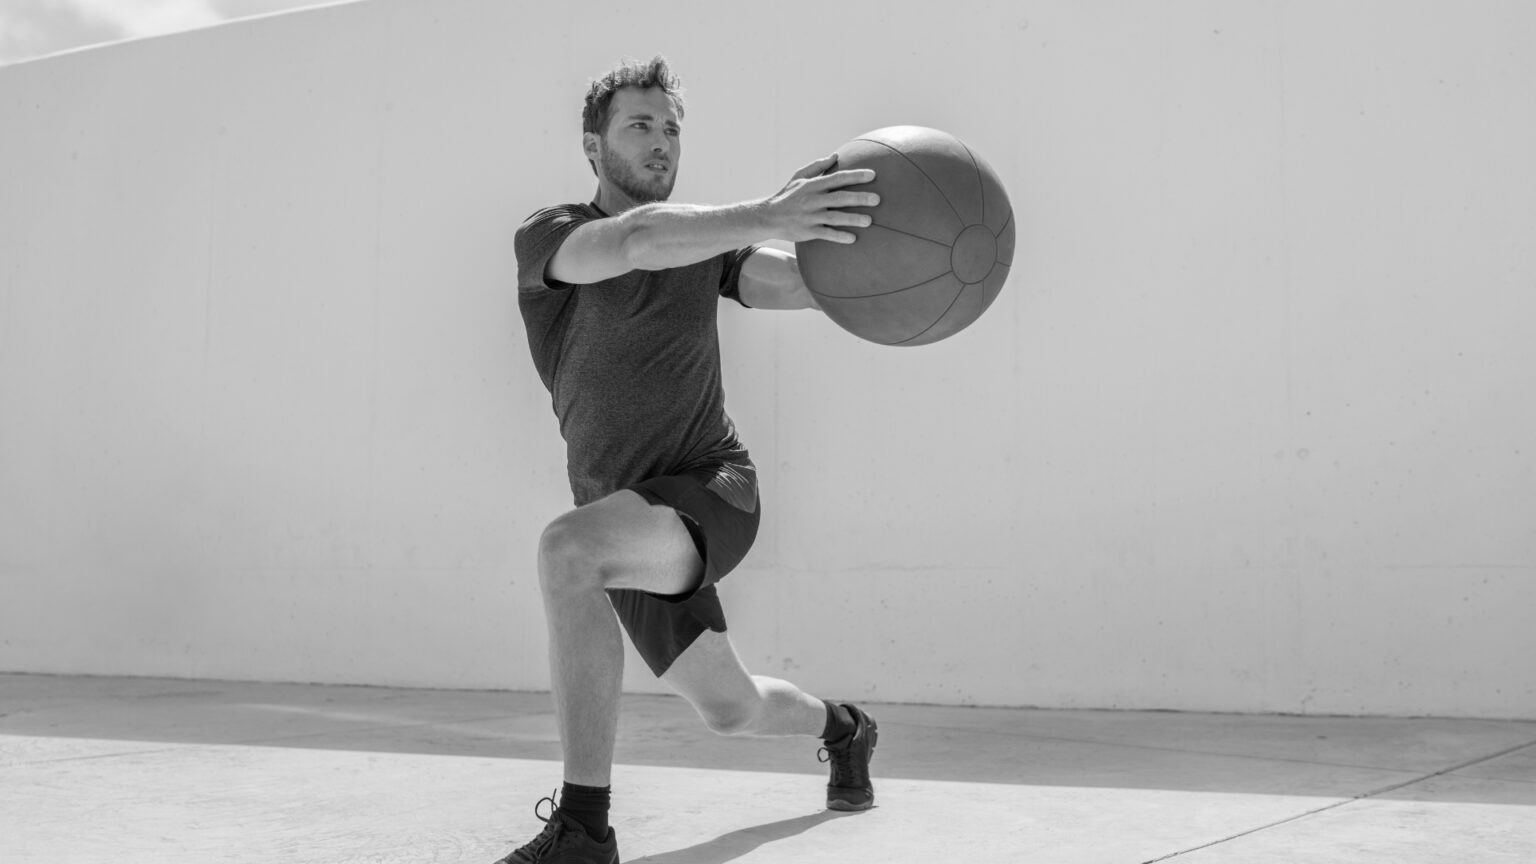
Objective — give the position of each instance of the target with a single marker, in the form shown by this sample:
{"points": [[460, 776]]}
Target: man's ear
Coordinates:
{"points": [[589, 143]]}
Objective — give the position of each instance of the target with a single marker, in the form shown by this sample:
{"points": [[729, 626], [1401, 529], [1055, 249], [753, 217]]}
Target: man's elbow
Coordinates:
{"points": [[640, 247], [644, 242]]}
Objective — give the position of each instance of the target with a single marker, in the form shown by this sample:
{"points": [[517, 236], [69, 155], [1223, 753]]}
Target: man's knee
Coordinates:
{"points": [[572, 553], [730, 718]]}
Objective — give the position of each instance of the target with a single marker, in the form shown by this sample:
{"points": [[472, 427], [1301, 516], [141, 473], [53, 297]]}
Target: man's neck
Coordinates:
{"points": [[612, 201]]}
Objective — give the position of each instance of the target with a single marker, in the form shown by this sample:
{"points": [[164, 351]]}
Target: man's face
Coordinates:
{"points": [[639, 151]]}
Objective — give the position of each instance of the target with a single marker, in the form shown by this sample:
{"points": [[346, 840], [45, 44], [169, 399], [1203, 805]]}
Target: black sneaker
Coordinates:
{"points": [[850, 788], [564, 841]]}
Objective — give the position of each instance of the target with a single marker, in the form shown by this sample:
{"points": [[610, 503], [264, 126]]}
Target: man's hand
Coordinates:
{"points": [[807, 208]]}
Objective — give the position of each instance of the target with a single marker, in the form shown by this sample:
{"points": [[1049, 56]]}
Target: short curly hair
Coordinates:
{"points": [[596, 113]]}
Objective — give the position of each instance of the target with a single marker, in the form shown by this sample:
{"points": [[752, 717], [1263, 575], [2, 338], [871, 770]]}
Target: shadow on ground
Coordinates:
{"points": [[736, 844]]}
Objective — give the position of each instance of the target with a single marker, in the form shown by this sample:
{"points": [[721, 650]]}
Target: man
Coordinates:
{"points": [[620, 299]]}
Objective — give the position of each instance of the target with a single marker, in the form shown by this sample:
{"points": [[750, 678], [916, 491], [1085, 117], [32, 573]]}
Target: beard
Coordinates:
{"points": [[641, 189]]}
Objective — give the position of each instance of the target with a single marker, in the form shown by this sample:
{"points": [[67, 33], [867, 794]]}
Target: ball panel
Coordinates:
{"points": [[994, 197], [944, 161], [1005, 242], [881, 261], [894, 318], [966, 308], [974, 254], [923, 211], [993, 285]]}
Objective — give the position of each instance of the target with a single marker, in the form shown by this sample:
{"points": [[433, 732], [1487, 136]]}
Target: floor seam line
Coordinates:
{"points": [[1337, 804], [246, 742], [118, 755], [256, 742], [1161, 749]]}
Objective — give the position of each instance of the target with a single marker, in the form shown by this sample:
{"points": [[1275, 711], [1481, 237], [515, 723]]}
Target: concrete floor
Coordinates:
{"points": [[129, 770]]}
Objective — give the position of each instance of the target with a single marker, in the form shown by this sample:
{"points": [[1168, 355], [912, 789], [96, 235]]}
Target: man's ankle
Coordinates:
{"points": [[840, 723], [587, 805]]}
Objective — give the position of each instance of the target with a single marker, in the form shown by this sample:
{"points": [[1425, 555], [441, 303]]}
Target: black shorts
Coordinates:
{"points": [[719, 505]]}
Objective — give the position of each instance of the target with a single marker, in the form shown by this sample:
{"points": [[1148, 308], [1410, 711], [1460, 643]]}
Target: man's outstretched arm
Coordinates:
{"points": [[663, 235], [770, 279]]}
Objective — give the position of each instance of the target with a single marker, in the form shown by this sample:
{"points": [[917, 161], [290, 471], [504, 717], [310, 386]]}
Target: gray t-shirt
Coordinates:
{"points": [[632, 363]]}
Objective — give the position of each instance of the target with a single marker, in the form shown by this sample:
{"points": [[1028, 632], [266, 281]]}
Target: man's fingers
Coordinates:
{"points": [[816, 168], [822, 194], [851, 177], [852, 199], [839, 217]]}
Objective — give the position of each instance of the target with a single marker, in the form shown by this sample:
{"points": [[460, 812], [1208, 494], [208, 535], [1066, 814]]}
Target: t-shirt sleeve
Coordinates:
{"points": [[730, 274], [537, 240]]}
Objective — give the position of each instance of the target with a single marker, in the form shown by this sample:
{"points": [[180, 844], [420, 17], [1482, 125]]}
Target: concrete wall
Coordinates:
{"points": [[1251, 428]]}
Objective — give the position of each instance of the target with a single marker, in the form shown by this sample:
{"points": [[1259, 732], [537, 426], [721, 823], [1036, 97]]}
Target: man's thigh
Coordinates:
{"points": [[711, 674], [639, 545]]}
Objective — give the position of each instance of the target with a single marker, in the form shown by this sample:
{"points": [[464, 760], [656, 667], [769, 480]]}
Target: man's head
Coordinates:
{"points": [[631, 130]]}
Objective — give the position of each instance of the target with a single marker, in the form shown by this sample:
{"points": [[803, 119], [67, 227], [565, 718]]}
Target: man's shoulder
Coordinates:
{"points": [[558, 214], [539, 237], [584, 211]]}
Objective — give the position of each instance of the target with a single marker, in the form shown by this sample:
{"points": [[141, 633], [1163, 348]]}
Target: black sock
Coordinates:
{"points": [[839, 723], [589, 806]]}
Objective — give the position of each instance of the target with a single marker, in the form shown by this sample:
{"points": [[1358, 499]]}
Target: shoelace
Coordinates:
{"points": [[553, 829], [841, 759]]}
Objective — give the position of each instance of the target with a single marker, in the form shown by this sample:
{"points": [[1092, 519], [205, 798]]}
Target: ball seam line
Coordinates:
{"points": [[981, 184], [931, 181], [949, 272], [942, 316], [874, 224]]}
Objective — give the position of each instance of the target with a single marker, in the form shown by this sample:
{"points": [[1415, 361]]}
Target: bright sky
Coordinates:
{"points": [[33, 28]]}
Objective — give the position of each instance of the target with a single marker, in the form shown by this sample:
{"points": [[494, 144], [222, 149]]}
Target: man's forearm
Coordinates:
{"points": [[771, 279], [663, 235]]}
